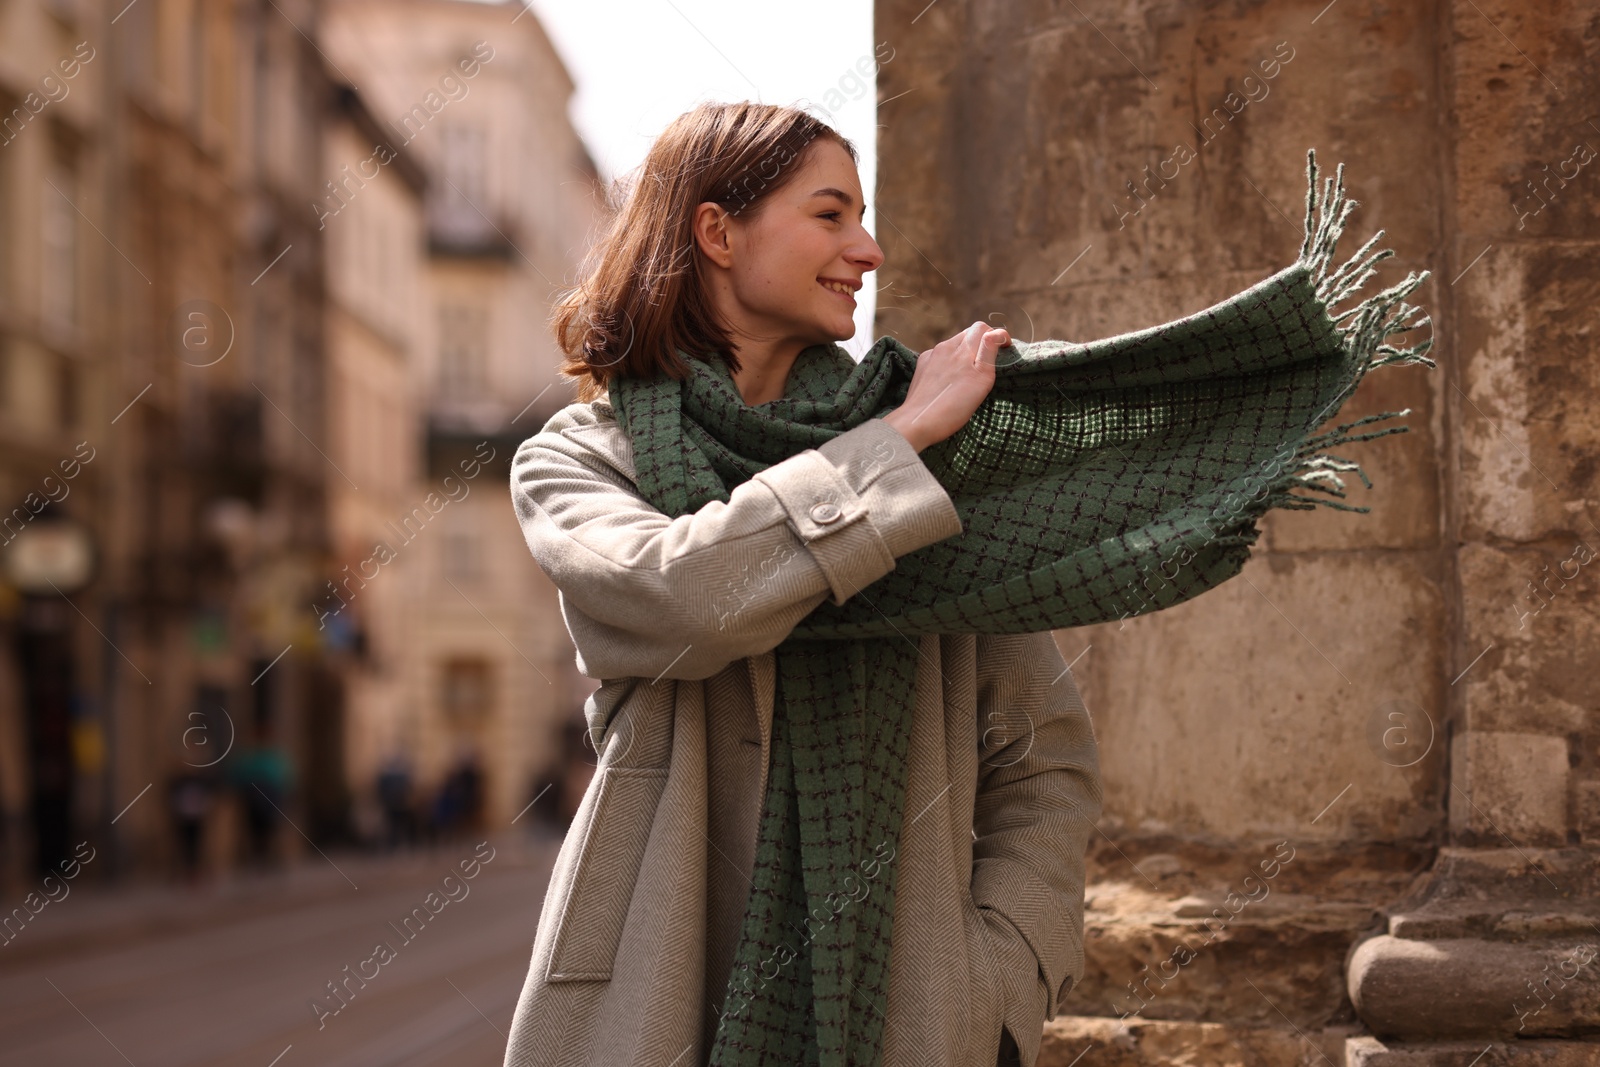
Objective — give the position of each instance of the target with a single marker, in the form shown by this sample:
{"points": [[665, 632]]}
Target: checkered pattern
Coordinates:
{"points": [[1096, 481]]}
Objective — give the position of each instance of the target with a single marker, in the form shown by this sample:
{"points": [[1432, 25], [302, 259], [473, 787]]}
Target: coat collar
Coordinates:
{"points": [[603, 435]]}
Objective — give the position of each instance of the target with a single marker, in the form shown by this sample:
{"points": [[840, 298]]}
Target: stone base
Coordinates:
{"points": [[1450, 951], [1181, 931], [1372, 1052], [1082, 1041], [1496, 945], [1265, 984]]}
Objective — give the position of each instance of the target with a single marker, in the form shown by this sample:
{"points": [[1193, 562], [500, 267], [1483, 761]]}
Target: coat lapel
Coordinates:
{"points": [[763, 669]]}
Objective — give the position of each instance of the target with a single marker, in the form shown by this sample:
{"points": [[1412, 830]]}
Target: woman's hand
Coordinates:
{"points": [[951, 380]]}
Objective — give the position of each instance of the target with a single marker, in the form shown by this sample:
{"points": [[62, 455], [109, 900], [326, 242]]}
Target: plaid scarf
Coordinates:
{"points": [[1095, 482]]}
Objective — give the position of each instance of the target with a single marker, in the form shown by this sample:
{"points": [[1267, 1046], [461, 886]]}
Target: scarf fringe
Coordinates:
{"points": [[1364, 337]]}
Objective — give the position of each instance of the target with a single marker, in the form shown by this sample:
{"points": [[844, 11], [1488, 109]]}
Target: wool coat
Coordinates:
{"points": [[677, 617]]}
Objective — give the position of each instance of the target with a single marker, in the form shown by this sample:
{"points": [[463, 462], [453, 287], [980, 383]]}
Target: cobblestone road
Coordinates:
{"points": [[226, 976]]}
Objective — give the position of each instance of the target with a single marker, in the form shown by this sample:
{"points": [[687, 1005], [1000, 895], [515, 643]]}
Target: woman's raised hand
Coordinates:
{"points": [[952, 378]]}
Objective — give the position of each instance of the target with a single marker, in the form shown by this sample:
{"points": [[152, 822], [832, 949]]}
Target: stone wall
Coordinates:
{"points": [[1418, 678]]}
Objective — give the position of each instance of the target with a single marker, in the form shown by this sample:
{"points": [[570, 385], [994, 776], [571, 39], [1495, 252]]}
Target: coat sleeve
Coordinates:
{"points": [[645, 595], [1038, 798]]}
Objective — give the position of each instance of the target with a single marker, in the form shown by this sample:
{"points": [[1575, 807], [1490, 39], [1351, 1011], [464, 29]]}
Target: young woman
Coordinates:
{"points": [[741, 244]]}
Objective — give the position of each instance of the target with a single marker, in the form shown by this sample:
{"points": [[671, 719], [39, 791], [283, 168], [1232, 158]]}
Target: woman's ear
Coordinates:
{"points": [[711, 233]]}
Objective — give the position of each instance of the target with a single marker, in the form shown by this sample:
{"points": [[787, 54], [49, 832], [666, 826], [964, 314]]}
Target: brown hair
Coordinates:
{"points": [[641, 293]]}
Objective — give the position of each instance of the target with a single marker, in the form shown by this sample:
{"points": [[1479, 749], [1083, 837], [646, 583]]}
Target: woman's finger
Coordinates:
{"points": [[990, 346]]}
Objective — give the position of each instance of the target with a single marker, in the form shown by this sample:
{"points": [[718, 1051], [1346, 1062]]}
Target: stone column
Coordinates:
{"points": [[1499, 945], [1404, 697]]}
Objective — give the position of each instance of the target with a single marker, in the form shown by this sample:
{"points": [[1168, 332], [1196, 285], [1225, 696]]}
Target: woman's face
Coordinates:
{"points": [[784, 266]]}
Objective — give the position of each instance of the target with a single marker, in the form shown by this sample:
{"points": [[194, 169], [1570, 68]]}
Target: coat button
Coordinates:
{"points": [[825, 512]]}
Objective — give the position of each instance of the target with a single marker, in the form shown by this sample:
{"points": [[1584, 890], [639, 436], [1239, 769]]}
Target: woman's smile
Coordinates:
{"points": [[843, 288]]}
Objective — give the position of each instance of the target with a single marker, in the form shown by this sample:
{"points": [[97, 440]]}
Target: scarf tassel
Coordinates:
{"points": [[1364, 330]]}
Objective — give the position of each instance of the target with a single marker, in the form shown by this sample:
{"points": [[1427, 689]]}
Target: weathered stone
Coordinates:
{"points": [[1079, 1041], [1519, 72], [1589, 812], [1373, 1052], [1454, 988], [1179, 931], [1503, 894], [1530, 394], [1367, 677], [1534, 626], [1273, 749], [1509, 786]]}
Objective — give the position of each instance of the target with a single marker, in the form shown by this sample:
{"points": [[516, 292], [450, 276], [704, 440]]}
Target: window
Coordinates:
{"points": [[463, 351], [8, 241], [281, 109], [459, 206], [59, 222], [67, 398], [466, 689], [461, 553], [464, 167]]}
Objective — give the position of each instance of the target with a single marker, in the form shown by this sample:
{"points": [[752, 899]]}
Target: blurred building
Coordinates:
{"points": [[54, 325], [163, 369], [371, 213], [477, 92], [238, 352], [218, 534]]}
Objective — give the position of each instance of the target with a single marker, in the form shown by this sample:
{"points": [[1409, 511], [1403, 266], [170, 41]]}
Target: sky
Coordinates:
{"points": [[638, 64]]}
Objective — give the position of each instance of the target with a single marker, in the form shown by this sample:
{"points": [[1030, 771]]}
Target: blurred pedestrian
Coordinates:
{"points": [[190, 798], [263, 775], [395, 796], [459, 805]]}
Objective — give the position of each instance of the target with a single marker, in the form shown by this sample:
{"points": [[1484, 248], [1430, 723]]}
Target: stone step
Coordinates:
{"points": [[1080, 1041], [1470, 988], [1253, 937], [1371, 1052], [1504, 894]]}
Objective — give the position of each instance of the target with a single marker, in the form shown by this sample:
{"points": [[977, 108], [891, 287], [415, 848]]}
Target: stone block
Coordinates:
{"points": [[1534, 628], [1369, 1051], [1518, 73], [1421, 990], [1588, 811], [1319, 655], [1529, 396], [1508, 788], [1080, 1041]]}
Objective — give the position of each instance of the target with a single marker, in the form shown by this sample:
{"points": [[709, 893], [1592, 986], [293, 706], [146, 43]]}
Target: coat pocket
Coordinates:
{"points": [[987, 1002], [605, 871]]}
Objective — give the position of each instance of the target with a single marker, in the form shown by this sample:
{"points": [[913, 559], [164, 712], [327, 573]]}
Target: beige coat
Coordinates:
{"points": [[678, 618]]}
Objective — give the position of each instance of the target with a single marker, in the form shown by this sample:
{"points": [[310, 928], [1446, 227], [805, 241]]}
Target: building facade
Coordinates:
{"points": [[478, 94], [53, 446], [371, 214], [165, 694]]}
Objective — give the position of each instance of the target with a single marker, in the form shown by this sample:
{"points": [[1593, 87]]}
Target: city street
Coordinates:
{"points": [[226, 976]]}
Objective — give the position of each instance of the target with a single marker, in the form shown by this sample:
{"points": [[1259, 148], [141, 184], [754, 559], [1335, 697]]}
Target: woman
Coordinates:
{"points": [[742, 245]]}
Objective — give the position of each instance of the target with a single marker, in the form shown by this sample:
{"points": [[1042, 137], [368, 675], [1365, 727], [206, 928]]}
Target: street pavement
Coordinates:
{"points": [[226, 976]]}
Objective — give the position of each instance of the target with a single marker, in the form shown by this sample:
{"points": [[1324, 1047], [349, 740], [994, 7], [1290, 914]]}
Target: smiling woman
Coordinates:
{"points": [[783, 276], [799, 844], [732, 207], [790, 849]]}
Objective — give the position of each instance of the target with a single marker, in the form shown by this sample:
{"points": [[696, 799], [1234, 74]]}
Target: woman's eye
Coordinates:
{"points": [[830, 215]]}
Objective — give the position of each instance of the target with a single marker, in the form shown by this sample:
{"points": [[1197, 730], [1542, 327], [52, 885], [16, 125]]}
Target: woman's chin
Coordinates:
{"points": [[841, 330], [829, 329]]}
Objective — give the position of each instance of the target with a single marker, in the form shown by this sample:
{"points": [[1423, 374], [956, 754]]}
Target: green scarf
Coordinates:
{"points": [[1096, 481]]}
